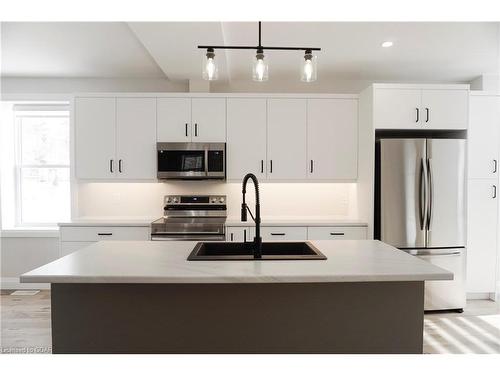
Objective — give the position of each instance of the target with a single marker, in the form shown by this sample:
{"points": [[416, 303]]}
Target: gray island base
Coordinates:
{"points": [[145, 297], [371, 317]]}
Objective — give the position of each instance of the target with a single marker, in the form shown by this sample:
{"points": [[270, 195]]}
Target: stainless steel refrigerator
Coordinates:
{"points": [[420, 207]]}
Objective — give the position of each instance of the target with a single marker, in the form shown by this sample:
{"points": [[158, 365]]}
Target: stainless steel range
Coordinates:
{"points": [[191, 218]]}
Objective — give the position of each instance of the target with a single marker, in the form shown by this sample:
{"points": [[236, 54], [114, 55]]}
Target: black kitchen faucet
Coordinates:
{"points": [[257, 241]]}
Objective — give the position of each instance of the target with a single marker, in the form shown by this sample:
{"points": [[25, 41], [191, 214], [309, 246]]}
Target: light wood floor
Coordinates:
{"points": [[25, 327]]}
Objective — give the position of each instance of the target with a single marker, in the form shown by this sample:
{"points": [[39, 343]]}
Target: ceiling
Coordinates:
{"points": [[454, 52]]}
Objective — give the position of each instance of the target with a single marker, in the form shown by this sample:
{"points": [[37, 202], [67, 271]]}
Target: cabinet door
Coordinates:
{"points": [[136, 138], [246, 137], [445, 109], [283, 233], [238, 234], [95, 138], [397, 109], [482, 236], [332, 139], [483, 136], [336, 233], [173, 119], [208, 120], [286, 139]]}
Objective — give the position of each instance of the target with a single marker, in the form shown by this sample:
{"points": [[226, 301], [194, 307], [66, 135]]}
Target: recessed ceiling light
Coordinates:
{"points": [[387, 44]]}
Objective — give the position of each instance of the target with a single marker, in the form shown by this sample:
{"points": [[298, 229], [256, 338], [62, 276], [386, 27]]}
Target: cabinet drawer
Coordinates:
{"points": [[284, 233], [71, 247], [336, 233], [93, 234]]}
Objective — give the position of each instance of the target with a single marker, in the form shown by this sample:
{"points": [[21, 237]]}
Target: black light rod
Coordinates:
{"points": [[264, 48]]}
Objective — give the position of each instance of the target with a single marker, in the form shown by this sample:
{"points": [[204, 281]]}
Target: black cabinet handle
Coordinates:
{"points": [[495, 165], [262, 166], [120, 165], [337, 234], [277, 234], [494, 191], [418, 115], [195, 130], [312, 166], [104, 234], [186, 129], [111, 165], [426, 114], [232, 237], [244, 235], [271, 165]]}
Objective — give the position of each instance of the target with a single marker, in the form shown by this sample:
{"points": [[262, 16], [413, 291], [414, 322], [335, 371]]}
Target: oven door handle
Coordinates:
{"points": [[188, 233]]}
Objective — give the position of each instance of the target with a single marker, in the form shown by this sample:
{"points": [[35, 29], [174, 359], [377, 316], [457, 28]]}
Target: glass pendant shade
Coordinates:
{"points": [[210, 69], [260, 67], [309, 68]]}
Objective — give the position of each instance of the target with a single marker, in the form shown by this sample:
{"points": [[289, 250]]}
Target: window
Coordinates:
{"points": [[42, 164]]}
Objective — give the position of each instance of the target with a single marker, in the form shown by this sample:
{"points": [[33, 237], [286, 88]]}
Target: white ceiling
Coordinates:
{"points": [[350, 51]]}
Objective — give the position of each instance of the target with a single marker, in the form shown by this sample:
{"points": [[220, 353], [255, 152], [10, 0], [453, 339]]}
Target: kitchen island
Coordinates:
{"points": [[146, 297]]}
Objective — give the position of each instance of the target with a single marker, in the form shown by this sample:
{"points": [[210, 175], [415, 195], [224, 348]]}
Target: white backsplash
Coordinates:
{"points": [[277, 199]]}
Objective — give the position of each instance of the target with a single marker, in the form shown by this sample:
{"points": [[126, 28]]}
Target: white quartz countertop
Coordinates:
{"points": [[166, 262], [112, 221], [270, 221], [302, 221]]}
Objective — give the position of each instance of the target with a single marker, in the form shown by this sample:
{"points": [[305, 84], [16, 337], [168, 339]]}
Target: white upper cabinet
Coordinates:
{"points": [[173, 119], [445, 109], [191, 120], [136, 138], [332, 139], [396, 108], [483, 136], [115, 138], [208, 121], [420, 108], [246, 137], [286, 139], [95, 126]]}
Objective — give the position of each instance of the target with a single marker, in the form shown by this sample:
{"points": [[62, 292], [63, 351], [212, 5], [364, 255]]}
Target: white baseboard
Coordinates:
{"points": [[479, 295], [13, 283]]}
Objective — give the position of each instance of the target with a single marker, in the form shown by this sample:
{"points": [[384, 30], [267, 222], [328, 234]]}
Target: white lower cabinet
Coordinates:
{"points": [[238, 234], [482, 236], [336, 233], [283, 233], [71, 247], [78, 237]]}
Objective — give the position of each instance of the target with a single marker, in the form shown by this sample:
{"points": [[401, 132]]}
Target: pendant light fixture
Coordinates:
{"points": [[210, 69], [309, 71], [260, 72]]}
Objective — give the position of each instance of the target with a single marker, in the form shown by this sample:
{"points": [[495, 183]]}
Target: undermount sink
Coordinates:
{"points": [[244, 251]]}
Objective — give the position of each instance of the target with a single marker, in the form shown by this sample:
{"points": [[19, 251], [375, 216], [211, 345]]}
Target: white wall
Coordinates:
{"points": [[23, 88], [277, 199], [20, 255]]}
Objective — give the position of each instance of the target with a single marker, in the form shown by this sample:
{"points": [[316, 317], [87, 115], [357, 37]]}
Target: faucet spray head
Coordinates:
{"points": [[243, 212]]}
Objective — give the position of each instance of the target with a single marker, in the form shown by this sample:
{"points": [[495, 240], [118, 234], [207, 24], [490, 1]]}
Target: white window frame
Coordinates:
{"points": [[26, 111]]}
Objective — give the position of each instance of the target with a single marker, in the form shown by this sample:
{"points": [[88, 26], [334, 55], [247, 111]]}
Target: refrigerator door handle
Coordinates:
{"points": [[431, 193], [423, 193]]}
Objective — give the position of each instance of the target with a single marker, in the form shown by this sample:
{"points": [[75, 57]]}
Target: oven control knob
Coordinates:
{"points": [[175, 200], [169, 200], [221, 200], [213, 200]]}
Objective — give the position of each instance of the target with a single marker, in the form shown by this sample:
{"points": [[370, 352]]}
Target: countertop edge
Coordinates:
{"points": [[63, 279]]}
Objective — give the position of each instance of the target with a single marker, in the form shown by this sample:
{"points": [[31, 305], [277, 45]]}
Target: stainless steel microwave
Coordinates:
{"points": [[190, 161]]}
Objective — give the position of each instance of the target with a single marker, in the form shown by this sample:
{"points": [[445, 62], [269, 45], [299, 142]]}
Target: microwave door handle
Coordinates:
{"points": [[206, 161]]}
